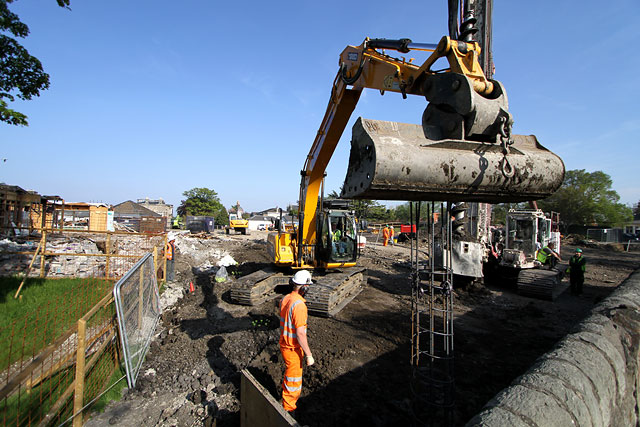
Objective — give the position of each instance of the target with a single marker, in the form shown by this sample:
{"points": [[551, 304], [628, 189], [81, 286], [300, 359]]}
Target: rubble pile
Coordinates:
{"points": [[75, 265], [58, 266], [198, 257]]}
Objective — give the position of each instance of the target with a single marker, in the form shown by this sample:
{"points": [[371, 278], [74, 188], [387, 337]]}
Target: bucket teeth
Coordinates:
{"points": [[395, 161]]}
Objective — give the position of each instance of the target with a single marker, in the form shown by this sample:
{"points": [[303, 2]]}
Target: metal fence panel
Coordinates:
{"points": [[138, 308]]}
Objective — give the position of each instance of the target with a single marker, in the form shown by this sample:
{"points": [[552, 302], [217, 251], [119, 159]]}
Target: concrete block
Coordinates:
{"points": [[589, 360], [616, 360], [619, 301], [534, 407], [578, 381], [496, 417], [602, 325], [568, 398]]}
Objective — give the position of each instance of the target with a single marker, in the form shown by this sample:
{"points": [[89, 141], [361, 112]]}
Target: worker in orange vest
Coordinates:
{"points": [[293, 339], [170, 254], [391, 234], [385, 235]]}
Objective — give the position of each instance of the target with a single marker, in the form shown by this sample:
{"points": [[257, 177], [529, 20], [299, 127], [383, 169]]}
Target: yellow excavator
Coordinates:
{"points": [[463, 151]]}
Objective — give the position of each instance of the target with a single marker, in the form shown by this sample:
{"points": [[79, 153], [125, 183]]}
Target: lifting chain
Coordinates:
{"points": [[505, 142]]}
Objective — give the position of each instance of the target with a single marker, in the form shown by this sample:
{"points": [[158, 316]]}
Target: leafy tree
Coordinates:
{"points": [[203, 202], [586, 198], [293, 210], [21, 75]]}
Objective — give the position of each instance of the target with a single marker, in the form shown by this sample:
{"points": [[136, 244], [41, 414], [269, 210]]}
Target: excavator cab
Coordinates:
{"points": [[337, 245]]}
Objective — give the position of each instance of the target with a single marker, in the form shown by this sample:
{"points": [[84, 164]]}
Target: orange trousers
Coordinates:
{"points": [[385, 241], [292, 382]]}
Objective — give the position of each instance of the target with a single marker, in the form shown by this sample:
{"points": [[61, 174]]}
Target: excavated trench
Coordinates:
{"points": [[362, 374]]}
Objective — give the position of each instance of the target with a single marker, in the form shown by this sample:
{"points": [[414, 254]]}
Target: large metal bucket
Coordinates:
{"points": [[394, 161]]}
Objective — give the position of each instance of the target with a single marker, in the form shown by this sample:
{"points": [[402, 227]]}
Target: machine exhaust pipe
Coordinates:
{"points": [[395, 161]]}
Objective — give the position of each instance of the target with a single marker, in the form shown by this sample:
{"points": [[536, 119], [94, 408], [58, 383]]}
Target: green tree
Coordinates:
{"points": [[21, 75], [586, 198], [203, 202]]}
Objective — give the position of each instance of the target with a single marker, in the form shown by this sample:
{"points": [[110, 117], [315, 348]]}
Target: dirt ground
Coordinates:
{"points": [[191, 375]]}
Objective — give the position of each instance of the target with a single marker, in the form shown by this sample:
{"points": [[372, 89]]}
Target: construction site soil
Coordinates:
{"points": [[191, 375]]}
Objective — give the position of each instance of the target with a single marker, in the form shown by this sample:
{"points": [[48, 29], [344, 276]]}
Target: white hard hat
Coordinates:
{"points": [[302, 277]]}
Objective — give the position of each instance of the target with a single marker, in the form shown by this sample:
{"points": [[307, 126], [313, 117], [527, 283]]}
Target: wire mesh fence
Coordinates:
{"points": [[56, 253], [138, 308], [58, 356]]}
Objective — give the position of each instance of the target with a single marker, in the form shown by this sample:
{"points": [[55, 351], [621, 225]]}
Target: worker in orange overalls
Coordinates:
{"points": [[170, 254], [385, 235], [293, 339]]}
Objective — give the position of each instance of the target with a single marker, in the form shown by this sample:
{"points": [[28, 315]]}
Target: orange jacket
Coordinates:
{"points": [[385, 233], [170, 250], [293, 314]]}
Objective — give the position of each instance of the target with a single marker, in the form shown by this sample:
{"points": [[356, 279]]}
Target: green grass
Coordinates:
{"points": [[47, 309], [113, 394]]}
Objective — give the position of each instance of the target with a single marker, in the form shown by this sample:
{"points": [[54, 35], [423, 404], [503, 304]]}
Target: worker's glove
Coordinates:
{"points": [[310, 360]]}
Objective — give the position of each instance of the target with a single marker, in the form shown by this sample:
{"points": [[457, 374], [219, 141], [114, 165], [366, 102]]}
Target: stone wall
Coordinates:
{"points": [[590, 378]]}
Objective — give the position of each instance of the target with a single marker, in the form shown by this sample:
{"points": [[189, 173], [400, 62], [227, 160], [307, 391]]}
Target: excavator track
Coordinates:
{"points": [[257, 287], [329, 294], [333, 291], [541, 284]]}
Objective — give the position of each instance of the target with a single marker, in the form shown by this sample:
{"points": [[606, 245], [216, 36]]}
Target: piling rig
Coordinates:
{"points": [[464, 150]]}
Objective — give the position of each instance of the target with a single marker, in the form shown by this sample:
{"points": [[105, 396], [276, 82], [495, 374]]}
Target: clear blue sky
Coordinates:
{"points": [[152, 98]]}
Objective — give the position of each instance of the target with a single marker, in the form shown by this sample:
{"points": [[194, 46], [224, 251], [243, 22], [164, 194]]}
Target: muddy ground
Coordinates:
{"points": [[191, 375]]}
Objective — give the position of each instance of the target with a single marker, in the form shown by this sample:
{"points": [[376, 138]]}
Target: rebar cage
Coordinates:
{"points": [[432, 381]]}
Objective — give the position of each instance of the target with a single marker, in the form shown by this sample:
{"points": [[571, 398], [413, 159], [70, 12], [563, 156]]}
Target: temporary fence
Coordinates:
{"points": [[138, 306], [59, 357], [80, 253]]}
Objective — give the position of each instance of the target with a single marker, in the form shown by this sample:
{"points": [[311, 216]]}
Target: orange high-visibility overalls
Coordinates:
{"points": [[171, 247], [293, 314], [385, 236]]}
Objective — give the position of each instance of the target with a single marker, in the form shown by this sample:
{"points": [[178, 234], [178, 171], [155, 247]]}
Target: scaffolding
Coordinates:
{"points": [[432, 381]]}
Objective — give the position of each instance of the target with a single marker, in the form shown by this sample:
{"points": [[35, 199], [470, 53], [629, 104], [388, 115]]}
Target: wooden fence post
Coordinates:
{"points": [[78, 398], [108, 251], [44, 251], [155, 260]]}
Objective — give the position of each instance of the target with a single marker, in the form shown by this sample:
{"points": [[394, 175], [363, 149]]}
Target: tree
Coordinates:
{"points": [[203, 202], [636, 211], [21, 75], [586, 198]]}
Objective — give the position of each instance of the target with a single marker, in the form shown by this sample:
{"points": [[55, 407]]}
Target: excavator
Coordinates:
{"points": [[236, 222], [464, 150]]}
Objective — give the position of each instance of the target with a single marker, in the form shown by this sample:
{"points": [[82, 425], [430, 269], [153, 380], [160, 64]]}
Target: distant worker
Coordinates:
{"points": [[293, 339], [170, 254], [548, 256], [385, 235], [391, 234], [577, 267]]}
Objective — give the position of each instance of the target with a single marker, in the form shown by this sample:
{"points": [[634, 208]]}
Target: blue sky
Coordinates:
{"points": [[152, 98]]}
